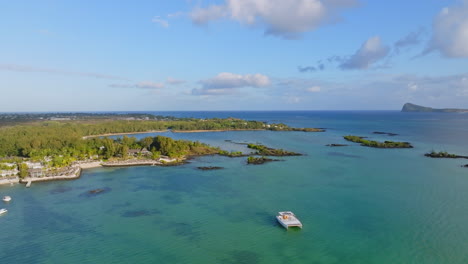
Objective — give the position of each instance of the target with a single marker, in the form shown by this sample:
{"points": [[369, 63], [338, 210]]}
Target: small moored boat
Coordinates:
{"points": [[3, 211], [6, 198], [288, 219]]}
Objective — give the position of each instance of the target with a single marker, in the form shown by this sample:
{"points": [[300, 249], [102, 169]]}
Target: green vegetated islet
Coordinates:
{"points": [[444, 154], [377, 144], [258, 160], [266, 151]]}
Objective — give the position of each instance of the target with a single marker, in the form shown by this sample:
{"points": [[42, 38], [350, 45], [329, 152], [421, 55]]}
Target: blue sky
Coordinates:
{"points": [[58, 55]]}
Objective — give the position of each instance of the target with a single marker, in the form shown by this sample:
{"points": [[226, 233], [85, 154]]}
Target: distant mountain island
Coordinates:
{"points": [[409, 107]]}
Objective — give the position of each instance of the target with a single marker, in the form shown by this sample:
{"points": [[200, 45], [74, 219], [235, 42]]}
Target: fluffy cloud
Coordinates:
{"points": [[173, 81], [203, 15], [140, 85], [369, 53], [231, 80], [225, 82], [282, 18], [450, 31]]}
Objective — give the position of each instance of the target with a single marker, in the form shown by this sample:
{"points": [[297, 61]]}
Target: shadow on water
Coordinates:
{"points": [[241, 257]]}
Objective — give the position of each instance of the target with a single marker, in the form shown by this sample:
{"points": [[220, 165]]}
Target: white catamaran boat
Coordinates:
{"points": [[6, 198], [3, 211], [288, 219]]}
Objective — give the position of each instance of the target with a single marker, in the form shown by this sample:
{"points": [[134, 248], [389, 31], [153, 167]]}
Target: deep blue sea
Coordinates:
{"points": [[358, 205]]}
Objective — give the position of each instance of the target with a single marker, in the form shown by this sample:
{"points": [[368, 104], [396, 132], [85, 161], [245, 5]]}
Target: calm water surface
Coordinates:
{"points": [[357, 204]]}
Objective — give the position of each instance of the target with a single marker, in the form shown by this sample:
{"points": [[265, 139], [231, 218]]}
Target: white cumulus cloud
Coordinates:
{"points": [[450, 31], [369, 53], [226, 82], [231, 80], [282, 18]]}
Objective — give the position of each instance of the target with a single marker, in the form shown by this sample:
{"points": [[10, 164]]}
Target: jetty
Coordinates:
{"points": [[28, 184]]}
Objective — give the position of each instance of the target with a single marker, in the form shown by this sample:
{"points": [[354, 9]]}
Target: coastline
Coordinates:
{"points": [[129, 163], [214, 130], [127, 133], [76, 173], [169, 130], [9, 181], [78, 168]]}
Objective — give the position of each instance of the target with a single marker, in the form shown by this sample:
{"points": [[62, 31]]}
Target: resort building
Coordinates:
{"points": [[136, 152], [35, 172], [13, 171], [35, 169]]}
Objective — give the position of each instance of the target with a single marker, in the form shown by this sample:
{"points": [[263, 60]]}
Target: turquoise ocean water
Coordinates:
{"points": [[357, 204]]}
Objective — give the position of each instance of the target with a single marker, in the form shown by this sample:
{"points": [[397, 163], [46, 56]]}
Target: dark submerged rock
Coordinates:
{"points": [[336, 145], [384, 133], [95, 192], [210, 168]]}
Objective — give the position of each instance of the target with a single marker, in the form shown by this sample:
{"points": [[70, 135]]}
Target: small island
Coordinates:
{"points": [[259, 160], [336, 145], [377, 144], [266, 151], [409, 107], [444, 154]]}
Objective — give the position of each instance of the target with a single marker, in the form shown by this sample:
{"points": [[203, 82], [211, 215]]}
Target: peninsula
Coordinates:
{"points": [[409, 107], [55, 148]]}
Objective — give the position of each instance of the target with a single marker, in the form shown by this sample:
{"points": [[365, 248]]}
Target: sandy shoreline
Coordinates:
{"points": [[90, 165], [9, 181], [128, 133], [168, 130], [215, 130]]}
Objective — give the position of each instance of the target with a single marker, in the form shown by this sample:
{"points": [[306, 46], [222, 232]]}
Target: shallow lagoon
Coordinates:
{"points": [[357, 204]]}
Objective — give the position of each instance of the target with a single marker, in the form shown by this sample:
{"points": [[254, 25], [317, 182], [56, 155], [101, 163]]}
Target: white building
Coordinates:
{"points": [[9, 173]]}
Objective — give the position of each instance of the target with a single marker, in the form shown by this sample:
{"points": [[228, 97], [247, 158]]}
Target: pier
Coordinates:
{"points": [[28, 184]]}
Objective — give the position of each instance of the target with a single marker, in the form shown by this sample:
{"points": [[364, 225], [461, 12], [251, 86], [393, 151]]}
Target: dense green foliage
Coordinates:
{"points": [[231, 154], [377, 144], [441, 154], [258, 160], [266, 151], [444, 154], [179, 148], [53, 138], [7, 167]]}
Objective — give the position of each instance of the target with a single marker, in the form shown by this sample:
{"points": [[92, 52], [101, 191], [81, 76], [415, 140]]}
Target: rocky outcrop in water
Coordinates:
{"points": [[210, 168]]}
